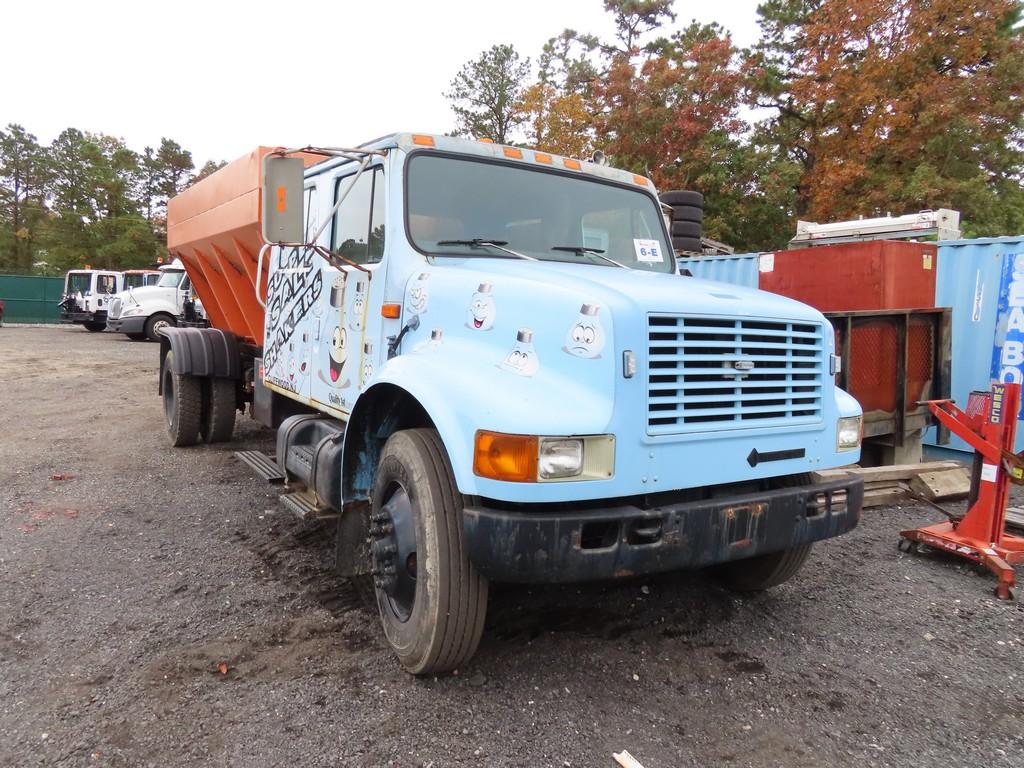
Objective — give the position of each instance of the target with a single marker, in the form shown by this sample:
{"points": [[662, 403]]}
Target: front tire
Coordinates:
{"points": [[756, 574], [761, 572], [183, 404], [431, 600], [95, 327], [157, 323]]}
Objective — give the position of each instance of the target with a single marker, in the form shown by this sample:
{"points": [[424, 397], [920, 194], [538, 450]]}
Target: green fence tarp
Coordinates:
{"points": [[29, 299]]}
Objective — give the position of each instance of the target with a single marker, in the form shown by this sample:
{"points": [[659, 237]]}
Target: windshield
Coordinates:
{"points": [[170, 279], [79, 282], [536, 213]]}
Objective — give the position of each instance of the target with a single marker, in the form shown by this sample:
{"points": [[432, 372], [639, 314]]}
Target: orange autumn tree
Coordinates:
{"points": [[896, 106]]}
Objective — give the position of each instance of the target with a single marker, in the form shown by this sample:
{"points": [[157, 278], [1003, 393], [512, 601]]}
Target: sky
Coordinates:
{"points": [[221, 76]]}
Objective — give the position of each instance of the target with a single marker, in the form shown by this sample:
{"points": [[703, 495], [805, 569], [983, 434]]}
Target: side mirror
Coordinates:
{"points": [[283, 215]]}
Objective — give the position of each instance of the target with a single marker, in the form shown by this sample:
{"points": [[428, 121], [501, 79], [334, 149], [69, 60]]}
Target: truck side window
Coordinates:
{"points": [[359, 224]]}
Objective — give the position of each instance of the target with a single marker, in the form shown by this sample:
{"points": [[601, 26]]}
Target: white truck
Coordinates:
{"points": [[141, 313], [87, 296]]}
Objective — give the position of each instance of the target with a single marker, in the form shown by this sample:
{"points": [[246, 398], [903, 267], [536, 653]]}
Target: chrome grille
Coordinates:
{"points": [[714, 373], [114, 310]]}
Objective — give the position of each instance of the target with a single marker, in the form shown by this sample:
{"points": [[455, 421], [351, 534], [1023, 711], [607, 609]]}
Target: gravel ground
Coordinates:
{"points": [[125, 586]]}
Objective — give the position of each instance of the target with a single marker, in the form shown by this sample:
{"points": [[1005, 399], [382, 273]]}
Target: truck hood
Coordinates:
{"points": [[634, 290], [144, 292]]}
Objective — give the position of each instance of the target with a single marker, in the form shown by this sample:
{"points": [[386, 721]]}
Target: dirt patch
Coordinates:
{"points": [[140, 576]]}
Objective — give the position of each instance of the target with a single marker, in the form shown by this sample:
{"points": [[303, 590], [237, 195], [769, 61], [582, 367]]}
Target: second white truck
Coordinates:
{"points": [[141, 313]]}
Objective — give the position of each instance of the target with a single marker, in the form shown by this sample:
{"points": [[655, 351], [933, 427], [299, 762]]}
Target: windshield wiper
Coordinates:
{"points": [[477, 242], [582, 249]]}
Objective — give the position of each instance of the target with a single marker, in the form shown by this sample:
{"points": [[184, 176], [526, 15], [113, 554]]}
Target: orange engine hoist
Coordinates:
{"points": [[989, 426]]}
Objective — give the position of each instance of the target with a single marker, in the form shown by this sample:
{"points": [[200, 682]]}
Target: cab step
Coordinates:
{"points": [[262, 464], [304, 505]]}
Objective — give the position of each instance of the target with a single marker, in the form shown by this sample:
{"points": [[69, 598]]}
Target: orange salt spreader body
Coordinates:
{"points": [[214, 227]]}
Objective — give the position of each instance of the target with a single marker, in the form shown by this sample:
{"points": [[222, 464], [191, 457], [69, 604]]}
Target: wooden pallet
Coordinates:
{"points": [[932, 480]]}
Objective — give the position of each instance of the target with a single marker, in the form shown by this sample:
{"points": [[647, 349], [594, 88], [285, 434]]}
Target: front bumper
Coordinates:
{"points": [[99, 316], [127, 324], [622, 541]]}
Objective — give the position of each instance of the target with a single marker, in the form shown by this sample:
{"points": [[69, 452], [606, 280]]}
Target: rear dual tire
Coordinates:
{"points": [[197, 407], [183, 404]]}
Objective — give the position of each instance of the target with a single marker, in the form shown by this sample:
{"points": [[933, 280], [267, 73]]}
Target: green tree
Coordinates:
{"points": [[486, 93], [209, 168], [896, 105], [24, 176]]}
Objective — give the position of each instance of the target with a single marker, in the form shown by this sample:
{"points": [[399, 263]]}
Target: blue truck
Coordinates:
{"points": [[481, 361]]}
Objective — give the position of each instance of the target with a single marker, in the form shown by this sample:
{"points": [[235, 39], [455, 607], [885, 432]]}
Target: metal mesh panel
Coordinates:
{"points": [[920, 361], [873, 347]]}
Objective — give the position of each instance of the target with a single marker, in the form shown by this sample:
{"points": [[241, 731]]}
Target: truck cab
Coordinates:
{"points": [[143, 312], [87, 295], [480, 358]]}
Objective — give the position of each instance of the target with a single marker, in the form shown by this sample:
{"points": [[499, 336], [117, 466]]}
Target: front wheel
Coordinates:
{"points": [[94, 327], [432, 601], [157, 323], [761, 572]]}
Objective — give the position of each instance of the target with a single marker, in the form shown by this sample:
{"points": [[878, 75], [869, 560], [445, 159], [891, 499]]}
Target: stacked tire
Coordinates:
{"points": [[687, 218]]}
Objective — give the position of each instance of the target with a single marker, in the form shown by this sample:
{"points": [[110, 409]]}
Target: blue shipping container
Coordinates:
{"points": [[738, 269], [972, 278]]}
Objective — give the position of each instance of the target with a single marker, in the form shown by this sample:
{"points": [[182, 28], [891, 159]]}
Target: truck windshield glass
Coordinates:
{"points": [[534, 212], [170, 279], [79, 282]]}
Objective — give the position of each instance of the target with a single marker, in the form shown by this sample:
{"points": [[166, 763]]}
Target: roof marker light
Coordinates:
{"points": [[572, 164], [640, 180], [513, 153], [423, 141], [485, 140], [542, 157]]}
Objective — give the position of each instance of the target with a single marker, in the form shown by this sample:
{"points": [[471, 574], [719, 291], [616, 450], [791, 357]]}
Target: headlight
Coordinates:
{"points": [[848, 433], [532, 459], [560, 458]]}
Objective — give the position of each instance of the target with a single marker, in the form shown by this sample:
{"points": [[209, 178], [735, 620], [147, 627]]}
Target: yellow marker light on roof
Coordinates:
{"points": [[512, 152], [542, 157], [486, 141], [572, 164], [422, 141], [640, 180]]}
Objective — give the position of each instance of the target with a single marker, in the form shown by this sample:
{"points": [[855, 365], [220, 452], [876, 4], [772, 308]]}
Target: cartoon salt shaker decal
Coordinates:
{"points": [[482, 310], [523, 357], [586, 336], [367, 362], [298, 359], [436, 336], [338, 291], [355, 310], [416, 303], [337, 354]]}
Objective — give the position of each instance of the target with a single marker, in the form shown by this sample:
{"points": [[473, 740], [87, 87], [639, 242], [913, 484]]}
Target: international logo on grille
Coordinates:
{"points": [[743, 365]]}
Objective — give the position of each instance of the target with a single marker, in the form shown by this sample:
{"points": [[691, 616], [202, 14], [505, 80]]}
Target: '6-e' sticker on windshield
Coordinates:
{"points": [[648, 250]]}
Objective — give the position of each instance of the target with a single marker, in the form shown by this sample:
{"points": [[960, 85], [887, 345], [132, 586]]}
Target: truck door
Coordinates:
{"points": [[293, 290], [347, 334]]}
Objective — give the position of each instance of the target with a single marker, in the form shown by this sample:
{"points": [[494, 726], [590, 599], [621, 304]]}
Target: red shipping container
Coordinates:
{"points": [[874, 274]]}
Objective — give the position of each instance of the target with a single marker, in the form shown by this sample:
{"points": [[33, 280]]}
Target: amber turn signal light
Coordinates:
{"points": [[391, 311], [512, 458]]}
